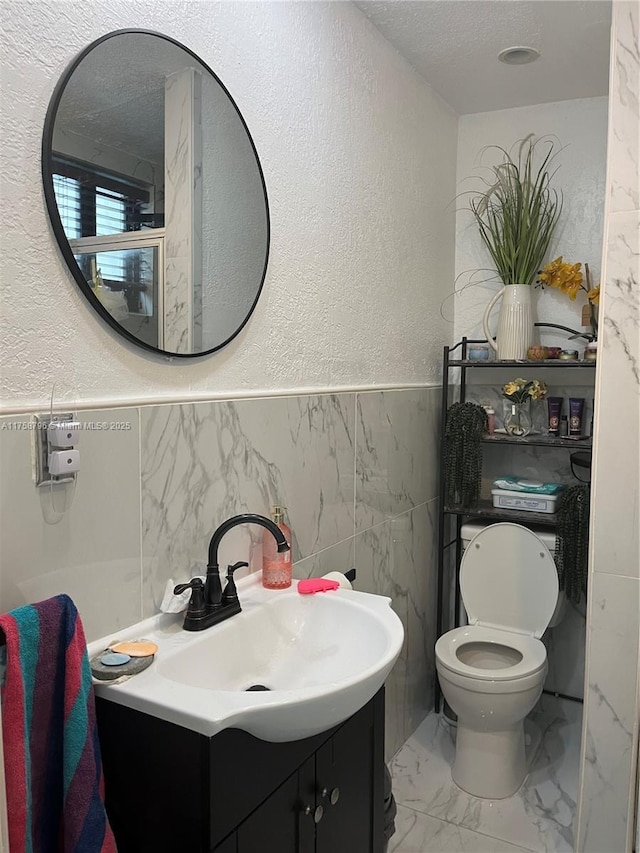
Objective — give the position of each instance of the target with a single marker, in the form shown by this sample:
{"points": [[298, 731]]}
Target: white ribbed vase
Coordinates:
{"points": [[514, 335]]}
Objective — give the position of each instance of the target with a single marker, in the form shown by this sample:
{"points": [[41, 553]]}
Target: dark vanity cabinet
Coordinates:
{"points": [[170, 790]]}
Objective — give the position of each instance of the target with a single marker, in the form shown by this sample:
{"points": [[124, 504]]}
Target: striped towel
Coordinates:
{"points": [[51, 751]]}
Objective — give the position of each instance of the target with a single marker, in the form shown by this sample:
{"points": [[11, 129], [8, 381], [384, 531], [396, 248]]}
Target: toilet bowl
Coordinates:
{"points": [[492, 670]]}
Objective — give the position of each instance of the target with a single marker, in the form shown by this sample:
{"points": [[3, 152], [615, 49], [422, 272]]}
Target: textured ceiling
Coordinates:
{"points": [[454, 44]]}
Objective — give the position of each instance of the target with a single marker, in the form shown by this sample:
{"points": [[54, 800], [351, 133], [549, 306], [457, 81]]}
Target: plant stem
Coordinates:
{"points": [[593, 319]]}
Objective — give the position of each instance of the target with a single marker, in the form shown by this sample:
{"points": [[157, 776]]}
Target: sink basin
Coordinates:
{"points": [[287, 667]]}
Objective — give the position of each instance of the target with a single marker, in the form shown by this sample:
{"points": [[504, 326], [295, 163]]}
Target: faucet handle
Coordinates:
{"points": [[196, 602], [230, 595], [231, 569]]}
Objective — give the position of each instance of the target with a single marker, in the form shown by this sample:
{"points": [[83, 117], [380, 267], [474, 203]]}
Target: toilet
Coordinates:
{"points": [[492, 670]]}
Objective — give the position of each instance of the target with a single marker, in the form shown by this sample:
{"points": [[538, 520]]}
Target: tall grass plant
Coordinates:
{"points": [[518, 212]]}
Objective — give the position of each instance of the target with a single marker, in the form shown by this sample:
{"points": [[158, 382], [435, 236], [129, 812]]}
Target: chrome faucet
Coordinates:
{"points": [[209, 605]]}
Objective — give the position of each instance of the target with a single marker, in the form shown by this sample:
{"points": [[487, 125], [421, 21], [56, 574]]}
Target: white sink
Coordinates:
{"points": [[322, 657]]}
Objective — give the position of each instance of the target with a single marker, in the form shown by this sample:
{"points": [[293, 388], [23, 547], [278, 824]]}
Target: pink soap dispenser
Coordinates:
{"points": [[276, 567]]}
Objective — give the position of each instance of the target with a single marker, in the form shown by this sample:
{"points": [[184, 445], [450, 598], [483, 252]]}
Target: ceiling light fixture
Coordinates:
{"points": [[519, 55]]}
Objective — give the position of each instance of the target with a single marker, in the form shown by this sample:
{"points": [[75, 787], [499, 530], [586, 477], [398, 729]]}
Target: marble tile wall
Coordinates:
{"points": [[182, 309], [396, 537], [357, 471], [204, 462], [610, 735]]}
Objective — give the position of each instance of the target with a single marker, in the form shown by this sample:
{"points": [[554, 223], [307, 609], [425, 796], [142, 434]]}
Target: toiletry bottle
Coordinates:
{"points": [[555, 410], [576, 412], [276, 567], [491, 419]]}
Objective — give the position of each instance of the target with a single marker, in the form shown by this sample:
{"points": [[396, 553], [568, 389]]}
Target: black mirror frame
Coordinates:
{"points": [[54, 215]]}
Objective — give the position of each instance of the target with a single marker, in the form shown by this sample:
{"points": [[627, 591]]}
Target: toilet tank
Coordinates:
{"points": [[471, 528]]}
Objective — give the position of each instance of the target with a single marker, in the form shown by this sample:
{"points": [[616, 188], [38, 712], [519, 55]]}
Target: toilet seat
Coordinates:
{"points": [[509, 580], [533, 651]]}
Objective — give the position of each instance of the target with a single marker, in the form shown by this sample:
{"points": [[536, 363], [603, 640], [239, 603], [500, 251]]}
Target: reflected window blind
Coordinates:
{"points": [[108, 216], [111, 219], [111, 266], [95, 203], [67, 192], [111, 212]]}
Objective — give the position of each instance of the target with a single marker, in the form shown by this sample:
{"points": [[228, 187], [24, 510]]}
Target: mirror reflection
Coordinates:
{"points": [[156, 194]]}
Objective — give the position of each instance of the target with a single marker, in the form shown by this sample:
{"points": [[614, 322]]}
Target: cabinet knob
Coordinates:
{"points": [[317, 813], [334, 795]]}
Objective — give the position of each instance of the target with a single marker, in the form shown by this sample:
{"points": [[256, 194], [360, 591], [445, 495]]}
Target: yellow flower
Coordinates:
{"points": [[565, 277], [550, 274], [593, 295], [538, 390], [571, 280], [519, 390]]}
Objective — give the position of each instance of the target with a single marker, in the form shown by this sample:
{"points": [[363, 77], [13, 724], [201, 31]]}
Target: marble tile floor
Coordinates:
{"points": [[435, 816]]}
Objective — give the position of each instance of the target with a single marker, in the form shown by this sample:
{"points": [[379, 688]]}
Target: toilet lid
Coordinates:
{"points": [[508, 580]]}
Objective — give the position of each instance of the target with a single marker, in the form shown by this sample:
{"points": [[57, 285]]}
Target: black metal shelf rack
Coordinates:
{"points": [[484, 508], [539, 441]]}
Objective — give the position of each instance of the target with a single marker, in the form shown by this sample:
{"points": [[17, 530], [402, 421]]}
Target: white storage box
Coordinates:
{"points": [[523, 501]]}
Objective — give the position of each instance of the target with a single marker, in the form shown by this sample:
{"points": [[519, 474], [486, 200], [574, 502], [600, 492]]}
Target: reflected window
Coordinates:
{"points": [[94, 203], [126, 280], [99, 211]]}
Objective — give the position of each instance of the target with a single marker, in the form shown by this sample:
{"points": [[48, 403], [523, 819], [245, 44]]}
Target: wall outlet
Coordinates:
{"points": [[52, 465]]}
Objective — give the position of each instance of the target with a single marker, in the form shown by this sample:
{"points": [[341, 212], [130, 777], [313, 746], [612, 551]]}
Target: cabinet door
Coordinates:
{"points": [[350, 778], [281, 823], [154, 795], [230, 845], [245, 770]]}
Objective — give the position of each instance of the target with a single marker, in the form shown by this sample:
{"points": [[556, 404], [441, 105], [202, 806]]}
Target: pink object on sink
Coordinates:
{"points": [[311, 585]]}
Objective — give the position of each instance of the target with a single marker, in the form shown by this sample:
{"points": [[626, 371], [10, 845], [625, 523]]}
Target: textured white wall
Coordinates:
{"points": [[581, 127], [359, 160]]}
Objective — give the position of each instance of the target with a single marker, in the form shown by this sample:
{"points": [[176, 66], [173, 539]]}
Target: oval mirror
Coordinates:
{"points": [[156, 194]]}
